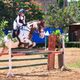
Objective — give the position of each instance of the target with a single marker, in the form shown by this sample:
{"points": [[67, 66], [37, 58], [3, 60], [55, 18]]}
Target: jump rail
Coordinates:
{"points": [[17, 52], [6, 67]]}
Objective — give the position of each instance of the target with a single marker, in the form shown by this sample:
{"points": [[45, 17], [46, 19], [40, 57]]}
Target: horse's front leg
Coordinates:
{"points": [[31, 44]]}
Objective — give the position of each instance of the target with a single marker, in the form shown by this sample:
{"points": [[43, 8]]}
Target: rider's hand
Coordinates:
{"points": [[24, 24]]}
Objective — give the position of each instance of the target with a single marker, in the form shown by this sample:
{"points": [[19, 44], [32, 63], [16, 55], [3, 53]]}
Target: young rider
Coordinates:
{"points": [[18, 22], [19, 29]]}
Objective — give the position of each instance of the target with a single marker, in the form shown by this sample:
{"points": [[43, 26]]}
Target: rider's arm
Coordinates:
{"points": [[18, 23], [14, 25]]}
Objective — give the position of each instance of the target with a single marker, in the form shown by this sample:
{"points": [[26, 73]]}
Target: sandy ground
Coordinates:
{"points": [[40, 72]]}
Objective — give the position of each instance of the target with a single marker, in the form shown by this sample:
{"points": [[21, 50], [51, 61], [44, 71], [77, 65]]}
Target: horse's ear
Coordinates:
{"points": [[41, 23]]}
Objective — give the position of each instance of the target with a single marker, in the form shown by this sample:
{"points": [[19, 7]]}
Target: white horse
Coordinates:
{"points": [[25, 34]]}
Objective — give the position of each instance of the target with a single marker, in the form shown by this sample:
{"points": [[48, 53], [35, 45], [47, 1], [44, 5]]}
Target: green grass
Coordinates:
{"points": [[74, 65]]}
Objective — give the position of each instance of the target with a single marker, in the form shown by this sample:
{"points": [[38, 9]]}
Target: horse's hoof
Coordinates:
{"points": [[34, 44]]}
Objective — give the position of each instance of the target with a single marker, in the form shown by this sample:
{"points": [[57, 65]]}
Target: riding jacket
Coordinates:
{"points": [[18, 22]]}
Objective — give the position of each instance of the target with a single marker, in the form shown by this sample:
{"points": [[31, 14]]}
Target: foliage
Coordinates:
{"points": [[9, 36], [72, 44], [60, 3], [74, 65], [74, 10], [6, 12], [34, 11], [60, 17], [56, 32], [3, 24]]}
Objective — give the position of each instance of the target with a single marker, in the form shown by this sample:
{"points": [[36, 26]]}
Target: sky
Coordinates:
{"points": [[70, 0]]}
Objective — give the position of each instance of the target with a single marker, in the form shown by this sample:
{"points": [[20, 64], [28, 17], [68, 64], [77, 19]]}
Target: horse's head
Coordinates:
{"points": [[41, 28], [37, 25]]}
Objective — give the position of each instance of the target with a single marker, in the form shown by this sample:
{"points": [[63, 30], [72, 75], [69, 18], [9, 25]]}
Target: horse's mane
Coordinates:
{"points": [[32, 21]]}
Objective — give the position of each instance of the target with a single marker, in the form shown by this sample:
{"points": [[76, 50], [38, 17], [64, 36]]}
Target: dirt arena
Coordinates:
{"points": [[72, 56]]}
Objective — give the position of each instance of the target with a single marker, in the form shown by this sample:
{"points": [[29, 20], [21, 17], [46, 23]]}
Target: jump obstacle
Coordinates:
{"points": [[50, 59]]}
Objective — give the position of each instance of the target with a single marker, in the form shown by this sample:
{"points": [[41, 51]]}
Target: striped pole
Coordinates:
{"points": [[10, 74], [63, 45], [61, 56]]}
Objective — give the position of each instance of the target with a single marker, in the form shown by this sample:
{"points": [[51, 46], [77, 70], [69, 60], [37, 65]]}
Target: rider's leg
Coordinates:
{"points": [[19, 41]]}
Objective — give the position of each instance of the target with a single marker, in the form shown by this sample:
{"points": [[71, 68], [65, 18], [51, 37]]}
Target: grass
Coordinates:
{"points": [[75, 65]]}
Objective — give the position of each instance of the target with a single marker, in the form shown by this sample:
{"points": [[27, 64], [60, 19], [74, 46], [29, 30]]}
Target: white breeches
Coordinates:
{"points": [[15, 25]]}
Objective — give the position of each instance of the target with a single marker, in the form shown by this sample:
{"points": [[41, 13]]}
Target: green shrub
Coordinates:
{"points": [[72, 44], [3, 24]]}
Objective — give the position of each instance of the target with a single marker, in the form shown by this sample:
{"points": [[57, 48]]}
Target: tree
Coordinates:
{"points": [[3, 24], [74, 10], [60, 17], [34, 11], [6, 13], [60, 3], [9, 12]]}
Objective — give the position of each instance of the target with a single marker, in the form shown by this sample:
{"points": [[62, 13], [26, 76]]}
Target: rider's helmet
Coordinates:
{"points": [[22, 11]]}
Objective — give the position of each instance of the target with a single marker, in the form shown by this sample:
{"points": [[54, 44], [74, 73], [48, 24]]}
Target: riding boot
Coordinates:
{"points": [[19, 45]]}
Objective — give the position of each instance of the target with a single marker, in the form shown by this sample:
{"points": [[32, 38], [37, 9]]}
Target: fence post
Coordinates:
{"points": [[51, 61], [51, 56]]}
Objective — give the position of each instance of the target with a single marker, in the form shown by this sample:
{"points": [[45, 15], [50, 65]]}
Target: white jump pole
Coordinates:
{"points": [[63, 42], [10, 74], [63, 46]]}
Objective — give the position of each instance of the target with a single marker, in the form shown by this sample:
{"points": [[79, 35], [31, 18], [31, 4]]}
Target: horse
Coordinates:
{"points": [[26, 32]]}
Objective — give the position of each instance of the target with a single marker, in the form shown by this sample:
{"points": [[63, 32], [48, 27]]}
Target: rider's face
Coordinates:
{"points": [[22, 14]]}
